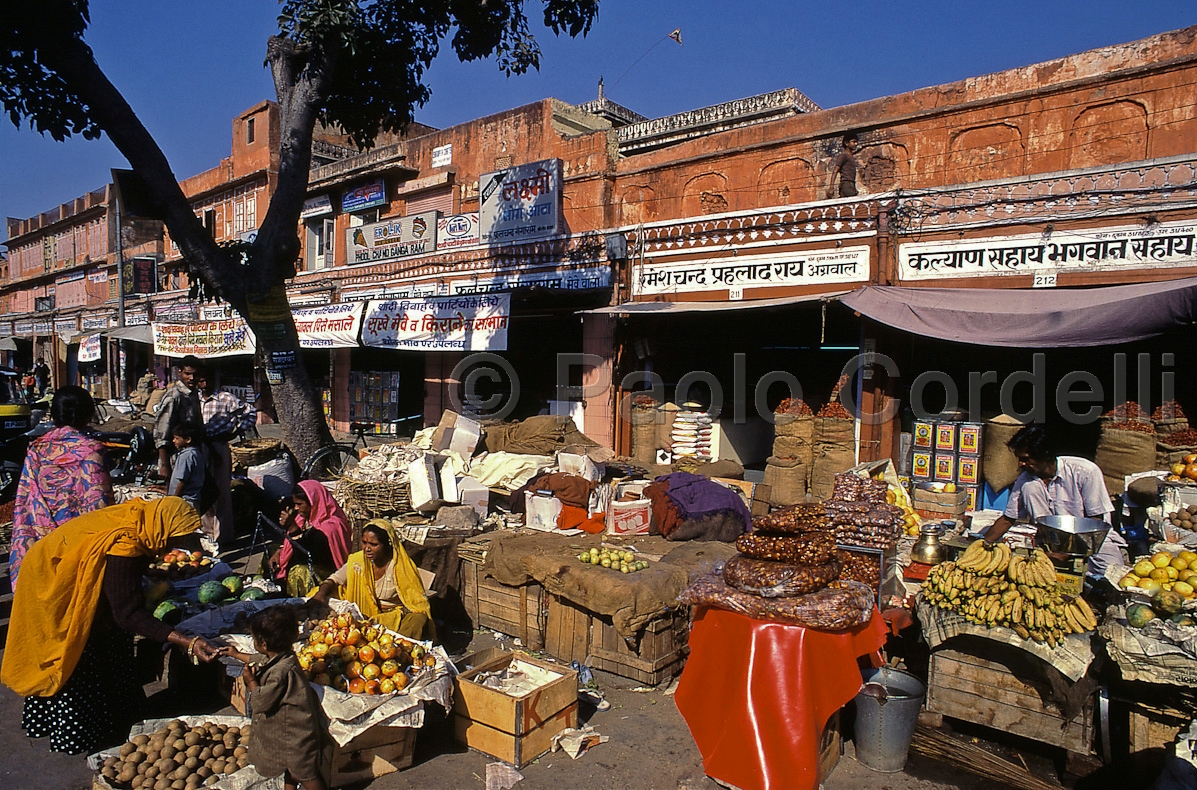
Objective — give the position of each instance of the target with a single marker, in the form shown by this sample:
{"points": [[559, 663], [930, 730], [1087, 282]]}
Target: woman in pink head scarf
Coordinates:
{"points": [[318, 539]]}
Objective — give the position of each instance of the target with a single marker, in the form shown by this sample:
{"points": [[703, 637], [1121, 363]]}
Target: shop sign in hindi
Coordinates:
{"points": [[567, 279], [227, 338], [442, 155], [328, 326], [316, 206], [364, 196], [89, 349], [520, 203], [22, 328], [840, 266], [95, 322], [457, 230], [1160, 246], [66, 326], [391, 239], [451, 323]]}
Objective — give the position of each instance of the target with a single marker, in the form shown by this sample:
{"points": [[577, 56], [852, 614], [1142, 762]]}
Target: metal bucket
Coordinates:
{"points": [[887, 708]]}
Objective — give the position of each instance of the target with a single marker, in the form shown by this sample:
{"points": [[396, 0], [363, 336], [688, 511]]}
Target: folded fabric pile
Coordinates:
{"points": [[691, 435], [692, 507]]}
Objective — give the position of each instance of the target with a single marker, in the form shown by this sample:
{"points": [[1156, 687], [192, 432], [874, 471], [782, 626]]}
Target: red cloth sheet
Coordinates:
{"points": [[756, 695]]}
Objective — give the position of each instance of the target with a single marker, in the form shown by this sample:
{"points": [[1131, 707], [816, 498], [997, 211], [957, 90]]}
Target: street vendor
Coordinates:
{"points": [[384, 583], [1058, 485]]}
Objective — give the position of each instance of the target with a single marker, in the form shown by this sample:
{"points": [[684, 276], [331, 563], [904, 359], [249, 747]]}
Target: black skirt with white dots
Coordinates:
{"points": [[98, 703]]}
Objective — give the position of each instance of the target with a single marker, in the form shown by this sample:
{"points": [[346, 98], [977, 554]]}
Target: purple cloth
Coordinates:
{"points": [[697, 496]]}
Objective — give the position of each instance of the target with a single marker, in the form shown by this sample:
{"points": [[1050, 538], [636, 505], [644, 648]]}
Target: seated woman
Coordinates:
{"points": [[382, 580], [318, 539], [70, 639]]}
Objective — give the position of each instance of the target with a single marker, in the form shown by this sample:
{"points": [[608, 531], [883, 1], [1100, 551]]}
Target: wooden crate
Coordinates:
{"points": [[516, 730], [515, 611], [831, 746], [376, 752], [1152, 727], [983, 691], [575, 634]]}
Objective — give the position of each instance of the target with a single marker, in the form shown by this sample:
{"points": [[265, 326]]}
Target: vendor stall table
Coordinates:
{"points": [[756, 695]]}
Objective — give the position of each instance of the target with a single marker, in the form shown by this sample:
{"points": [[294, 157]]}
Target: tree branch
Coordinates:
{"points": [[75, 62]]}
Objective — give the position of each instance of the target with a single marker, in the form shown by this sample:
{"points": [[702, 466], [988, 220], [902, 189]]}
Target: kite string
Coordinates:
{"points": [[642, 57]]}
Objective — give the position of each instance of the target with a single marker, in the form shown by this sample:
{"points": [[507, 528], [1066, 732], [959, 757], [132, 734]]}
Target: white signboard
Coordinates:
{"points": [[329, 326], [227, 338], [818, 267], [391, 239], [66, 327], [316, 206], [457, 230], [569, 280], [453, 323], [22, 328], [1160, 246], [520, 203], [442, 155], [136, 319], [89, 349], [95, 322]]}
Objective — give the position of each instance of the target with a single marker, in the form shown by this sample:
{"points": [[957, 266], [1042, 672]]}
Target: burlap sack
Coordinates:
{"points": [[1168, 454], [794, 437], [835, 452], [644, 443], [1121, 453], [999, 465], [786, 478], [1166, 427]]}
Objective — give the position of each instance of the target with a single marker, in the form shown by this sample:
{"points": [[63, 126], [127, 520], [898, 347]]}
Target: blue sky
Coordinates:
{"points": [[188, 67]]}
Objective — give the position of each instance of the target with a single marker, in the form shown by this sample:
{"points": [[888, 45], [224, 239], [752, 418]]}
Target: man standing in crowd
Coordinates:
{"points": [[1058, 485], [224, 416], [41, 372], [180, 404]]}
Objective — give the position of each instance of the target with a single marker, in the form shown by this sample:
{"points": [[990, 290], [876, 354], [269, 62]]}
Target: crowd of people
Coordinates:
{"points": [[81, 557]]}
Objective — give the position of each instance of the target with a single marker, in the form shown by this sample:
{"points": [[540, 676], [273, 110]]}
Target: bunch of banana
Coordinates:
{"points": [[989, 586]]}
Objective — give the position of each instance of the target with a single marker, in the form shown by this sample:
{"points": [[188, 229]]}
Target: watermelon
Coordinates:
{"points": [[211, 592], [232, 584], [253, 594], [169, 612]]}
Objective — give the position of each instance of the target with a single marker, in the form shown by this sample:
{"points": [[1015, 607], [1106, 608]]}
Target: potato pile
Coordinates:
{"points": [[1185, 518], [179, 757]]}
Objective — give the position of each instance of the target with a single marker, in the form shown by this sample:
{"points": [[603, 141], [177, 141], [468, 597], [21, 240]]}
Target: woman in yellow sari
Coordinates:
{"points": [[382, 580], [70, 644]]}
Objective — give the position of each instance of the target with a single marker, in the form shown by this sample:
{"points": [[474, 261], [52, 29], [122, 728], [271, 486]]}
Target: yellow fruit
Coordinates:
{"points": [[1161, 559], [1183, 588], [1129, 580], [1178, 469], [1143, 568], [950, 488], [1160, 575], [1180, 563], [1187, 574], [1188, 556], [1151, 586], [1173, 574]]}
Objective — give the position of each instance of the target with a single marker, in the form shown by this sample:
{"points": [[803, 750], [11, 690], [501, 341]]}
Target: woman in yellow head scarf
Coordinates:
{"points": [[382, 580], [69, 649]]}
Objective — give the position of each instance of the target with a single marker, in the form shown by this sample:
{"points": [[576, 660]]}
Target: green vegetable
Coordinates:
{"points": [[169, 612], [253, 594], [211, 592], [232, 584]]}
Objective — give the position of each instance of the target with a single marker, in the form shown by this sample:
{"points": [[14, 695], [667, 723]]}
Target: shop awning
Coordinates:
{"points": [[8, 344], [138, 334], [1033, 318], [670, 308]]}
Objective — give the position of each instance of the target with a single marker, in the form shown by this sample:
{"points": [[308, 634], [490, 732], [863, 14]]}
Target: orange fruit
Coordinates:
{"points": [[401, 681], [389, 669], [366, 654], [357, 686], [373, 687], [1191, 471], [371, 672]]}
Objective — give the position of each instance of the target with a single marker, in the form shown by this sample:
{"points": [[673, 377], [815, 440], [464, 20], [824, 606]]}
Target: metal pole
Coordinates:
{"points": [[120, 303]]}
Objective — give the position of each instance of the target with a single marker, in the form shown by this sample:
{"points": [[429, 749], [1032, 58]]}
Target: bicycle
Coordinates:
{"points": [[335, 460]]}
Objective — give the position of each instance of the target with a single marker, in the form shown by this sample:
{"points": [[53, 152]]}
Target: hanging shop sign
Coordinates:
{"points": [[391, 239], [1117, 248], [95, 322], [214, 312], [176, 313], [363, 196], [316, 206], [66, 327], [89, 349], [227, 338], [6, 328], [818, 267], [520, 203], [141, 276], [329, 326], [457, 323], [457, 230]]}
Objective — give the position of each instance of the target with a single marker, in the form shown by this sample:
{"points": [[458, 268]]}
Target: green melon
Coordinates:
{"points": [[1183, 619], [211, 592], [253, 594], [169, 612], [1139, 615], [232, 584]]}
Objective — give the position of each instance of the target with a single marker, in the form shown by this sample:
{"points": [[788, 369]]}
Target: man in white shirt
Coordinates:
{"points": [[1058, 485]]}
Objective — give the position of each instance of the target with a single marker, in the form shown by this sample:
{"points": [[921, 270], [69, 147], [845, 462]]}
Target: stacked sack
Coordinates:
{"points": [[691, 434], [788, 469], [861, 515], [787, 572]]}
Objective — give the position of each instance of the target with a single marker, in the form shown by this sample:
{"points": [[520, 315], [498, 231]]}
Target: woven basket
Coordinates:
{"points": [[251, 452], [373, 500]]}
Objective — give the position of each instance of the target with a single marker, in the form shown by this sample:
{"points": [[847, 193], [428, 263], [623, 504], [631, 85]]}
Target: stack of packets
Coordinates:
{"points": [[861, 515], [691, 435]]}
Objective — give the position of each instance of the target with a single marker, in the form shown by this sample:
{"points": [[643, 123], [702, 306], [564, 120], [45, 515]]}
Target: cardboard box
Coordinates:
{"points": [[974, 496], [376, 752], [457, 433], [968, 441], [432, 483], [968, 469], [920, 466], [930, 504], [629, 518], [516, 730], [541, 511], [471, 492], [945, 467], [945, 437], [923, 437], [580, 465]]}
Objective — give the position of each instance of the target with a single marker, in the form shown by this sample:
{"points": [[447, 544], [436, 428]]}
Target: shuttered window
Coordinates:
{"points": [[438, 199]]}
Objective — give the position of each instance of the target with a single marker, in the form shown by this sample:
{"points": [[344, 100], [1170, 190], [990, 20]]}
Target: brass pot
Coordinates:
{"points": [[927, 549]]}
